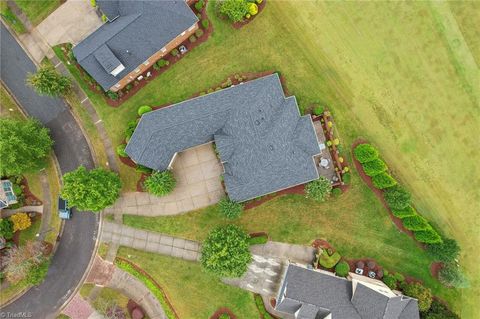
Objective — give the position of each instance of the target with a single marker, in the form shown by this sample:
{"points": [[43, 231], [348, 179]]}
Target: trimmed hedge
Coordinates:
{"points": [[415, 222], [374, 167], [150, 285], [402, 213], [144, 109], [428, 236], [121, 150], [383, 180], [397, 197], [328, 261], [365, 153], [342, 269]]}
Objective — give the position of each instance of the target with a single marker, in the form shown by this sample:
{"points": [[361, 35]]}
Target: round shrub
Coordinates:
{"points": [[390, 281], [365, 152], [346, 178], [428, 236], [160, 183], [415, 222], [235, 10], [258, 1], [399, 277], [374, 167], [199, 5], [397, 197], [319, 189], [252, 8], [419, 292], [336, 192], [446, 252], [174, 52], [199, 33], [225, 252], [450, 275], [383, 180], [407, 211], [229, 208], [21, 221], [205, 23], [318, 110], [6, 228], [192, 38], [144, 109], [131, 126], [121, 150], [162, 62], [342, 269]]}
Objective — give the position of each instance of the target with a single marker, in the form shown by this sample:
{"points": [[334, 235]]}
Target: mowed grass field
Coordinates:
{"points": [[37, 10], [402, 75]]}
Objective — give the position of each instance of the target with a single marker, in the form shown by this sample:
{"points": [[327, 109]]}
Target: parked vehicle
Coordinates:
{"points": [[64, 212]]}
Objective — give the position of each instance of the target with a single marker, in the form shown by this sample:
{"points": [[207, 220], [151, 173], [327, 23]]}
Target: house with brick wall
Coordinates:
{"points": [[136, 35]]}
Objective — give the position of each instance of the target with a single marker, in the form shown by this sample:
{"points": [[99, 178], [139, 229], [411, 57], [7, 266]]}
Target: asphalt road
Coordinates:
{"points": [[78, 240]]}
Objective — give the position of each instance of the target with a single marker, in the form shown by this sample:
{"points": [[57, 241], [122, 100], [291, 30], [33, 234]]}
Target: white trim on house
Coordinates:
{"points": [[117, 70]]}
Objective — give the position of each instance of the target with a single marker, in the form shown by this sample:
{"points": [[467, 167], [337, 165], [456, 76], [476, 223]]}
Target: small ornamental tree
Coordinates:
{"points": [[428, 236], [342, 269], [407, 211], [319, 189], [415, 222], [374, 167], [91, 190], [6, 228], [383, 180], [144, 109], [397, 197], [24, 146], [365, 153], [229, 208], [390, 281], [450, 275], [421, 293], [445, 252], [47, 81], [160, 183], [235, 10], [20, 221], [225, 252]]}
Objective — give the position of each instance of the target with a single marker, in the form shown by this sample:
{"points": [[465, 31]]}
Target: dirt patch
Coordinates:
{"points": [[140, 182], [222, 311], [378, 192], [299, 189], [435, 268], [241, 24]]}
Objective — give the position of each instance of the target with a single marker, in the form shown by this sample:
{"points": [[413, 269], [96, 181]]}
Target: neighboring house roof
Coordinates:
{"points": [[312, 294], [135, 31], [263, 142], [7, 196]]}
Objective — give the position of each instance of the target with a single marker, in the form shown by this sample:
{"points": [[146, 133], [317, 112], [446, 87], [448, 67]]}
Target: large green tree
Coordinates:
{"points": [[91, 190], [24, 146], [47, 81], [225, 252]]}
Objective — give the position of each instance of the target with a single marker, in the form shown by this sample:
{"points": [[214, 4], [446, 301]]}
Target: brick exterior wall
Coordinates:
{"points": [[154, 58]]}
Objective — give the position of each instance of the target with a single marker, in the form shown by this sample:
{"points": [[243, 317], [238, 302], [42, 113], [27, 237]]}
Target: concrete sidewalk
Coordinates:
{"points": [[150, 241]]}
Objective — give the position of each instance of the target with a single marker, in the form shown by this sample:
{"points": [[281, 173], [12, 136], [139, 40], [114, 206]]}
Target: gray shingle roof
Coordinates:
{"points": [[327, 293], [141, 29], [262, 140]]}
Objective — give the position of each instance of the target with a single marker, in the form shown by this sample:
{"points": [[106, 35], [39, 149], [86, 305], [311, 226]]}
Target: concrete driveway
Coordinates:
{"points": [[71, 22], [197, 171]]}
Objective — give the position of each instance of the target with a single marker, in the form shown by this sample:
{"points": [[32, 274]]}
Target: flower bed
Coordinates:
{"points": [[241, 24], [150, 283], [223, 313]]}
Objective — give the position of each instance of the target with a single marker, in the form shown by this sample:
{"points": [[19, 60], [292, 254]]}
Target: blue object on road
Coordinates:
{"points": [[64, 212]]}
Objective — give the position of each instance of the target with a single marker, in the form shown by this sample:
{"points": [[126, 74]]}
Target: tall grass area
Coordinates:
{"points": [[193, 292], [398, 74]]}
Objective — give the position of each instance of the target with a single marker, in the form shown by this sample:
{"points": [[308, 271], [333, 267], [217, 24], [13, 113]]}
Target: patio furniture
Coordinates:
{"points": [[324, 162], [372, 274], [359, 271]]}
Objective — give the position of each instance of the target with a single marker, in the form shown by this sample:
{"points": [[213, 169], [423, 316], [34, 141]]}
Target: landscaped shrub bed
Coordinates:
{"points": [[150, 284], [396, 197], [328, 259], [239, 12]]}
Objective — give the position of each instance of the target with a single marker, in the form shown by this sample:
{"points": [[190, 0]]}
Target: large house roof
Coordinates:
{"points": [[135, 30], [316, 295], [263, 142]]}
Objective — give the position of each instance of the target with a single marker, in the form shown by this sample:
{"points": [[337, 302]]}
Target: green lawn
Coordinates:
{"points": [[11, 18], [399, 74], [194, 293], [37, 10], [105, 296]]}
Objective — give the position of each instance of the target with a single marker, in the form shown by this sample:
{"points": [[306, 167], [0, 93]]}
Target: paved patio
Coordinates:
{"points": [[197, 171], [72, 22]]}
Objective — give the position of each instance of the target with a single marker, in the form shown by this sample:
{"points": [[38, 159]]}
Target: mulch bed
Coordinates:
{"points": [[299, 189], [221, 311], [241, 24], [379, 193], [30, 198], [321, 243], [435, 268], [140, 182], [146, 274]]}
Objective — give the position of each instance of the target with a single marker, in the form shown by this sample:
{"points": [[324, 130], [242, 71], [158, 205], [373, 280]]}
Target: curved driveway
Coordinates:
{"points": [[71, 149]]}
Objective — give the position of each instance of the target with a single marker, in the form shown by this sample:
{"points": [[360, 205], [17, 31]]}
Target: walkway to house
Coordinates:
{"points": [[72, 22], [79, 308], [150, 241], [197, 171]]}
